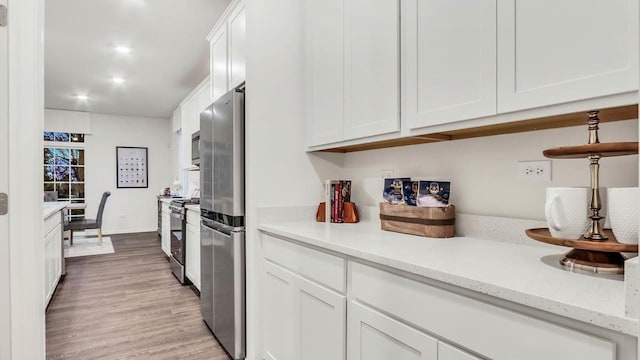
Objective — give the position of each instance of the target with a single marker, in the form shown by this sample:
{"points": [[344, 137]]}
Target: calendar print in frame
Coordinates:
{"points": [[132, 167]]}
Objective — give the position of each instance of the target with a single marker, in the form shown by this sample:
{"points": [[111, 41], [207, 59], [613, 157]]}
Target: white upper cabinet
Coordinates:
{"points": [[449, 60], [550, 52], [352, 69], [372, 67], [325, 71], [219, 63], [237, 52], [227, 42]]}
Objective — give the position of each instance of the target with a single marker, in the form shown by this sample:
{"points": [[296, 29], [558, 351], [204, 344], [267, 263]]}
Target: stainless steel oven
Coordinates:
{"points": [[178, 247]]}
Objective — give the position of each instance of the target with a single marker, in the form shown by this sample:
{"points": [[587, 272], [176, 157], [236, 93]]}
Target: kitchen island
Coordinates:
{"points": [[470, 297], [53, 232]]}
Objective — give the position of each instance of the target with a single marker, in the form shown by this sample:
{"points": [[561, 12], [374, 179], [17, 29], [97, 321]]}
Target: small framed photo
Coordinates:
{"points": [[433, 193], [132, 168]]}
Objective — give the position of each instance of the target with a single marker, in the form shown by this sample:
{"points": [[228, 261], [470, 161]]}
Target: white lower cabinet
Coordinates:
{"points": [[304, 320], [192, 267], [448, 352], [392, 316], [165, 235], [52, 254], [374, 336]]}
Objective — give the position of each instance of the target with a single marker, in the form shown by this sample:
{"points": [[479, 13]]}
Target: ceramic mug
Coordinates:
{"points": [[567, 211], [624, 209]]}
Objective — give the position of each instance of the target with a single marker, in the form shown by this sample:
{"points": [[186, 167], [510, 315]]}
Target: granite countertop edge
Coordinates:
{"points": [[51, 207]]}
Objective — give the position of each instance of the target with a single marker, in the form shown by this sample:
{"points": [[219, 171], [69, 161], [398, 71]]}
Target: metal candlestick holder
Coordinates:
{"points": [[595, 232]]}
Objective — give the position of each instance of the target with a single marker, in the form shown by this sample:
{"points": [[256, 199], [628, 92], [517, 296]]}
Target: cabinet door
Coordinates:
{"points": [[372, 69], [448, 352], [192, 267], [449, 63], [374, 336], [304, 321], [550, 52], [237, 50], [166, 231], [325, 71], [322, 323], [280, 314], [219, 63]]}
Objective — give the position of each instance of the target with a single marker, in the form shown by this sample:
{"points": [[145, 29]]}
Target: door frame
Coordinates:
{"points": [[22, 248]]}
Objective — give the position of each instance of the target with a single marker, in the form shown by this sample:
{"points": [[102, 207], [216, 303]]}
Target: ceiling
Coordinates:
{"points": [[169, 53]]}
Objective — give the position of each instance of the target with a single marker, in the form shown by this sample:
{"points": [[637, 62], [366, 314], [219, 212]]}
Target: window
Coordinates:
{"points": [[64, 167]]}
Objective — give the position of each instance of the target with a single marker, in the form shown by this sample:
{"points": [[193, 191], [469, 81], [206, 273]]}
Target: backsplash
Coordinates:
{"points": [[482, 171]]}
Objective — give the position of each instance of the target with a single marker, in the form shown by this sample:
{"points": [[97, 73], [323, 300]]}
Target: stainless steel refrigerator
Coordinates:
{"points": [[222, 239]]}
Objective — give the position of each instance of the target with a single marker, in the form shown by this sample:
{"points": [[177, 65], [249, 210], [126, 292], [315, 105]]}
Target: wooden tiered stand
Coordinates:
{"points": [[597, 251]]}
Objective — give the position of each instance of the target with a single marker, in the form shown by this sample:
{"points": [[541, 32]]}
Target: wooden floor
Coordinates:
{"points": [[127, 305]]}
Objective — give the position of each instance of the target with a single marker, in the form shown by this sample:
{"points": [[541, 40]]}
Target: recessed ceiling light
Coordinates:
{"points": [[117, 80], [123, 50], [82, 97]]}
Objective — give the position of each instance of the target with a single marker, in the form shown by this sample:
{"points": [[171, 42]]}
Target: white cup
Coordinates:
{"points": [[567, 211], [624, 209]]}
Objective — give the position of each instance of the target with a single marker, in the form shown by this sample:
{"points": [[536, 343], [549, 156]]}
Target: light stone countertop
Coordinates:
{"points": [[523, 274], [51, 207]]}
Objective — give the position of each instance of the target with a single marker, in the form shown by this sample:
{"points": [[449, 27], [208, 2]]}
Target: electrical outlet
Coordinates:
{"points": [[534, 171]]}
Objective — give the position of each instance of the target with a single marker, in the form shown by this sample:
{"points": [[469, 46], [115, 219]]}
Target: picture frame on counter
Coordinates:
{"points": [[132, 167]]}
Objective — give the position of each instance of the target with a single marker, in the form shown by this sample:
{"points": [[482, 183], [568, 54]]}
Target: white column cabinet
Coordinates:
{"points": [[227, 45], [551, 52], [374, 336], [304, 320], [449, 62], [192, 266], [352, 69], [166, 229]]}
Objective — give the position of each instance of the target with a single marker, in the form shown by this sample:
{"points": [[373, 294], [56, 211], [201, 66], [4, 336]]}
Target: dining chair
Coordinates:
{"points": [[88, 223]]}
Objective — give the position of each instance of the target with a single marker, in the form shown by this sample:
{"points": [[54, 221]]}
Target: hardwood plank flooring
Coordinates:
{"points": [[127, 305]]}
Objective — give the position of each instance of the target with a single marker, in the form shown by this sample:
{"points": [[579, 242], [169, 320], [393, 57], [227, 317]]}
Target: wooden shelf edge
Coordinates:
{"points": [[611, 245], [549, 122], [602, 149]]}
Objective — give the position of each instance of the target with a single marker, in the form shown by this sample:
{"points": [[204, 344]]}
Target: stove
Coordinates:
{"points": [[178, 237]]}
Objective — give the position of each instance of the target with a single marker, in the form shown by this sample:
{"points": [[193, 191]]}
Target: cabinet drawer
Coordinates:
{"points": [[489, 330], [51, 222], [325, 269]]}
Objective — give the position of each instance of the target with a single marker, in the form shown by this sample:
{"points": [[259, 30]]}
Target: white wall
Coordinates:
{"points": [[483, 170], [127, 210], [279, 172]]}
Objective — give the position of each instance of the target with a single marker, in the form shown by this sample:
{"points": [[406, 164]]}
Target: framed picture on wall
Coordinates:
{"points": [[132, 168]]}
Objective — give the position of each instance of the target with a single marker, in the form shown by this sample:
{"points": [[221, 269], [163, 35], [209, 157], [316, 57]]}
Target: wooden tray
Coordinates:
{"points": [[610, 245], [602, 149], [435, 222]]}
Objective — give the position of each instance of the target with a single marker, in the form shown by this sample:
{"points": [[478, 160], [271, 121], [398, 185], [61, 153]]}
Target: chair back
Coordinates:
{"points": [[103, 201]]}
